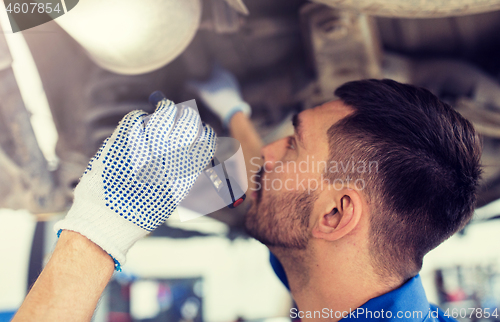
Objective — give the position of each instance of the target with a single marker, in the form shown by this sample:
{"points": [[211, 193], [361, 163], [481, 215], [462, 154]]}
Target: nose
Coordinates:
{"points": [[273, 152]]}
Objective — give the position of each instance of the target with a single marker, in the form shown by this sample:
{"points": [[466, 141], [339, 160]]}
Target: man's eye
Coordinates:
{"points": [[291, 143]]}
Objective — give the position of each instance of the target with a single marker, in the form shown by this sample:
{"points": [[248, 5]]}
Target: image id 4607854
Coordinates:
{"points": [[28, 14]]}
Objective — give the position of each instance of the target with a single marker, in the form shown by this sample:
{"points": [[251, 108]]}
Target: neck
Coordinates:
{"points": [[325, 286]]}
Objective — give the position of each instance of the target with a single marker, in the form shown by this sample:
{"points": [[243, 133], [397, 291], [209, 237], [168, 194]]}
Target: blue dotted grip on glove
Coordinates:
{"points": [[139, 176]]}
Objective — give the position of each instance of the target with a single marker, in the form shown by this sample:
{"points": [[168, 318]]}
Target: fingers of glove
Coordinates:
{"points": [[185, 130], [162, 105], [203, 149], [131, 119], [200, 154], [175, 149], [130, 125], [162, 120]]}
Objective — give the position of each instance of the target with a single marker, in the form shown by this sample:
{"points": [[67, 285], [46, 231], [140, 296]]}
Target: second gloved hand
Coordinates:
{"points": [[221, 93], [139, 176]]}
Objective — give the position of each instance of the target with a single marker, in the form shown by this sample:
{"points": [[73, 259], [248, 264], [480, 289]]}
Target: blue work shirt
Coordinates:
{"points": [[406, 303]]}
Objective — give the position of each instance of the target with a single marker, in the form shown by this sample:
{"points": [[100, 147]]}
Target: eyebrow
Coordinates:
{"points": [[297, 128]]}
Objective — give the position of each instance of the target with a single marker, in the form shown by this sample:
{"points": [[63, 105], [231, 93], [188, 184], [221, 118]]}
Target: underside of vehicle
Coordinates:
{"points": [[288, 55]]}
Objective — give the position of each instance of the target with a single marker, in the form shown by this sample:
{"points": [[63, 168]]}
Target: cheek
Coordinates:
{"points": [[300, 182], [277, 183], [270, 183]]}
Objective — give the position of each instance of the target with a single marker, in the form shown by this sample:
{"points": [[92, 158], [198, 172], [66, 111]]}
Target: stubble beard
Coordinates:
{"points": [[281, 218]]}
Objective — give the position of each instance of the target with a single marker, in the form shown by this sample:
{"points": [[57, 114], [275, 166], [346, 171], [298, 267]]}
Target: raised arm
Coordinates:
{"points": [[70, 285], [131, 186]]}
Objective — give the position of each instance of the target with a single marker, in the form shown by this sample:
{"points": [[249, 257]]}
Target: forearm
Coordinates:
{"points": [[242, 129], [69, 287]]}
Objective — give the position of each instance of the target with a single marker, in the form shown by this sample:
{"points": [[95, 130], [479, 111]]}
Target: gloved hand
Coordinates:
{"points": [[139, 176], [221, 93]]}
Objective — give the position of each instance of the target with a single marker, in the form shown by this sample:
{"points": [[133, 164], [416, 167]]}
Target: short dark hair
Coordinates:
{"points": [[428, 159]]}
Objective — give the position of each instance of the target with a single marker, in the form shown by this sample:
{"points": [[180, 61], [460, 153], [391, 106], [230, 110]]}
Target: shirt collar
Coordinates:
{"points": [[407, 303], [409, 299]]}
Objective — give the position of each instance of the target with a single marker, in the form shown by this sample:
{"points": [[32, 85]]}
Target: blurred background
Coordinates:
{"points": [[65, 84]]}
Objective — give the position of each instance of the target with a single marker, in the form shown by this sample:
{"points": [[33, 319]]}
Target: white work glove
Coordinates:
{"points": [[221, 93], [139, 176]]}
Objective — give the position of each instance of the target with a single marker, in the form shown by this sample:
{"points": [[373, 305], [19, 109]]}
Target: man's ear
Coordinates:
{"points": [[341, 216]]}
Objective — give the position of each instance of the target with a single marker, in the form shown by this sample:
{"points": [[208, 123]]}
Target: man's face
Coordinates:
{"points": [[290, 180]]}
